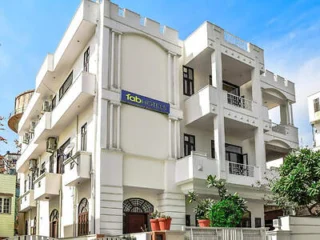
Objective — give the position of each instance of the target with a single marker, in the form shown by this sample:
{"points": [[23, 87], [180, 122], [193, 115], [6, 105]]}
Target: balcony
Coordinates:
{"points": [[201, 104], [27, 201], [242, 174], [80, 94], [47, 185], [283, 136], [77, 169], [205, 38], [271, 82], [79, 32], [42, 128], [195, 166]]}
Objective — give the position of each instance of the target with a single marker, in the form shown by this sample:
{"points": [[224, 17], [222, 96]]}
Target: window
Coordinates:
{"points": [[25, 185], [51, 163], [316, 105], [213, 153], [83, 219], [43, 168], [66, 85], [189, 144], [62, 157], [53, 103], [5, 205], [84, 137], [257, 222], [86, 57], [188, 81], [210, 80]]}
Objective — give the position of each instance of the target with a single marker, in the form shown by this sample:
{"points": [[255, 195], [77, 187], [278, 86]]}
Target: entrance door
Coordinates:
{"points": [[135, 222], [54, 229]]}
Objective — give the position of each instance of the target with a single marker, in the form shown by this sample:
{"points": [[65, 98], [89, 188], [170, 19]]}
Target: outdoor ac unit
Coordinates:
{"points": [[32, 126], [51, 144], [26, 138], [32, 164], [46, 106]]}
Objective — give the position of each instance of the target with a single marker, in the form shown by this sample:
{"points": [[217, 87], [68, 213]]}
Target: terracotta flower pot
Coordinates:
{"points": [[154, 225], [162, 223], [204, 222], [168, 223]]}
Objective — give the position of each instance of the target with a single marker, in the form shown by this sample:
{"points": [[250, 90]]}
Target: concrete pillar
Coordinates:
{"points": [[218, 121], [260, 150], [284, 114]]}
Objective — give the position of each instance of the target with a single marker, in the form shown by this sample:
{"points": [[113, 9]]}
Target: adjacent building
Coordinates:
{"points": [[7, 205], [126, 118], [314, 118]]}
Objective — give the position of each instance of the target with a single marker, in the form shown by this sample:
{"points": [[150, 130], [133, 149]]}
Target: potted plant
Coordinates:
{"points": [[165, 222], [202, 210], [154, 221]]}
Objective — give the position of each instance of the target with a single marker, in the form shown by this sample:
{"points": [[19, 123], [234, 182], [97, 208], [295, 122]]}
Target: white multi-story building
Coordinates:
{"points": [[127, 118], [314, 118]]}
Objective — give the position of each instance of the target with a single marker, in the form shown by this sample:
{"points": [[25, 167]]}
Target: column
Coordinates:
{"points": [[284, 120], [118, 125], [260, 151], [218, 121], [112, 61]]}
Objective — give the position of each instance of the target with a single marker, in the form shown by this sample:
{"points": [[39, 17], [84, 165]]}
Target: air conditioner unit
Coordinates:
{"points": [[51, 144], [33, 125], [32, 164], [46, 107], [26, 138]]}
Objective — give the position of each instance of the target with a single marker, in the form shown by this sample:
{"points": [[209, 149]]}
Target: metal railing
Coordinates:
{"points": [[278, 128], [31, 237], [195, 233], [17, 111], [241, 169], [234, 40], [239, 101]]}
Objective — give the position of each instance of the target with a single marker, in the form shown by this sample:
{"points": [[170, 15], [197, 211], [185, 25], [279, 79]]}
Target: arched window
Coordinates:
{"points": [[136, 211], [54, 220], [83, 218], [137, 205]]}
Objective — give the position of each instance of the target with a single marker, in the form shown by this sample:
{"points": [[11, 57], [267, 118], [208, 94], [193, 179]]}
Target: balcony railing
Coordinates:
{"points": [[234, 40], [241, 169], [279, 128], [239, 101], [225, 233]]}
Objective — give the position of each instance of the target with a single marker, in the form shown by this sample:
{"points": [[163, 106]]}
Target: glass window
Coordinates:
{"points": [[66, 85], [86, 57], [0, 205], [54, 102], [51, 163], [316, 105], [84, 137], [5, 205], [188, 81], [189, 144]]}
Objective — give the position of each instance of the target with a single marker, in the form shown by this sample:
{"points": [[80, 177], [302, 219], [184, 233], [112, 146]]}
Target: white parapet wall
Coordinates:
{"points": [[296, 228]]}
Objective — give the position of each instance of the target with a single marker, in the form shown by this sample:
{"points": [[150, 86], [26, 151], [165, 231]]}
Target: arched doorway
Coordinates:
{"points": [[54, 220], [26, 228], [34, 227], [83, 217], [135, 214]]}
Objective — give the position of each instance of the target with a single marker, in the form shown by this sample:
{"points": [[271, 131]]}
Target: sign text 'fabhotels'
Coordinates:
{"points": [[144, 102]]}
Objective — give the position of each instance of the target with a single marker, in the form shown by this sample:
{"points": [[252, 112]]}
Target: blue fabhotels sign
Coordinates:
{"points": [[144, 102]]}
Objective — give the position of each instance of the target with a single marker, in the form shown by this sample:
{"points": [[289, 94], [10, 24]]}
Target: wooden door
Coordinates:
{"points": [[135, 221], [54, 229]]}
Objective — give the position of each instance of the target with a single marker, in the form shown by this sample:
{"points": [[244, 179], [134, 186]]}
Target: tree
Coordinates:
{"points": [[227, 212], [2, 140], [299, 183]]}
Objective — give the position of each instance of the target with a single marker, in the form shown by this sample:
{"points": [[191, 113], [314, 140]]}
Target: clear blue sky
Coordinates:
{"points": [[288, 31]]}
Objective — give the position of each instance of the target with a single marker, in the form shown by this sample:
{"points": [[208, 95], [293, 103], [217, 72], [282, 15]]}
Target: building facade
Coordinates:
{"points": [[127, 118], [7, 205], [314, 118]]}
